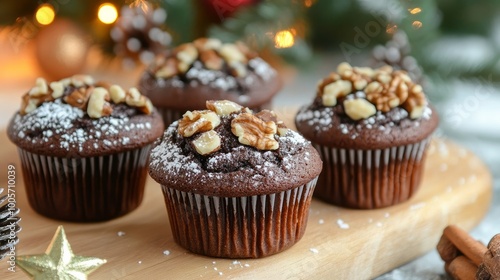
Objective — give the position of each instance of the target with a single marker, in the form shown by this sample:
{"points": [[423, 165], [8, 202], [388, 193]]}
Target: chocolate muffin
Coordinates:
{"points": [[236, 184], [84, 148], [207, 69], [371, 127]]}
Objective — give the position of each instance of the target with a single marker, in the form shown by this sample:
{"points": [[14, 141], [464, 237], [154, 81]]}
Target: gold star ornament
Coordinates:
{"points": [[59, 262]]}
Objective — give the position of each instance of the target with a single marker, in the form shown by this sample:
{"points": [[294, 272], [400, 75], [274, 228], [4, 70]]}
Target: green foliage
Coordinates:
{"points": [[257, 25], [180, 19]]}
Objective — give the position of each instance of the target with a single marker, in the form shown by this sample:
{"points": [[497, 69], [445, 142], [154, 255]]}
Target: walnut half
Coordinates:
{"points": [[197, 121], [253, 131]]}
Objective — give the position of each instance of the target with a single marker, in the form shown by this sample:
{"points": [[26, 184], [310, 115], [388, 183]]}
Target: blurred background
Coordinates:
{"points": [[451, 46]]}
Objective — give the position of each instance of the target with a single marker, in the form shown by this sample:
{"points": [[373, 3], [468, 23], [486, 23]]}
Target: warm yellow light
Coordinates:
{"points": [[284, 39], [416, 24], [45, 14], [415, 11], [107, 13]]}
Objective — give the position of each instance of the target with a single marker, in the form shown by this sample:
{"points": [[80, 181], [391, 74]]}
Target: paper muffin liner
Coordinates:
{"points": [[171, 115], [85, 189], [368, 179], [238, 227]]}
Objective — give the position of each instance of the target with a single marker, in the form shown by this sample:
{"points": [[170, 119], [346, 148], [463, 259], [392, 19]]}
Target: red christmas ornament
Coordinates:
{"points": [[226, 8]]}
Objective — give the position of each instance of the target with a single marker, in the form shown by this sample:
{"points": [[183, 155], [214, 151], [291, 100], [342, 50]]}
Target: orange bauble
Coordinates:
{"points": [[61, 49]]}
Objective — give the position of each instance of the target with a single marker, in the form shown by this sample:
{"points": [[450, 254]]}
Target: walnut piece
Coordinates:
{"points": [[135, 99], [197, 121], [169, 69], [231, 53], [223, 107], [40, 88], [117, 94], [255, 132], [358, 109], [30, 103], [391, 89], [416, 102], [207, 143], [333, 91], [57, 89], [79, 97], [98, 105], [186, 54], [211, 60], [203, 44], [82, 80]]}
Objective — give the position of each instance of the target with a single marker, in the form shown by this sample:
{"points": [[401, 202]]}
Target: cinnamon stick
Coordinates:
{"points": [[462, 268], [472, 249]]}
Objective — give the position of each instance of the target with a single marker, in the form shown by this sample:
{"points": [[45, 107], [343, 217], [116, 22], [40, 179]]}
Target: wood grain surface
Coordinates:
{"points": [[338, 243]]}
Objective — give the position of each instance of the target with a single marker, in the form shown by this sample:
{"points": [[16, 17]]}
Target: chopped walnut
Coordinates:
{"points": [[40, 88], [223, 107], [82, 80], [30, 103], [389, 90], [57, 89], [135, 99], [255, 132], [79, 97], [231, 53], [197, 121], [98, 105], [416, 102], [117, 94], [169, 68], [358, 109], [211, 59], [186, 54], [203, 44], [207, 143]]}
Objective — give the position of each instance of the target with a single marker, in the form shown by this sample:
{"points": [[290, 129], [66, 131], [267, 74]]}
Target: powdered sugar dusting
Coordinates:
{"points": [[173, 159], [61, 119]]}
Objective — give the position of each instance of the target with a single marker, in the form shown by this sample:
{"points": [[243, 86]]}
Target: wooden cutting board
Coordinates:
{"points": [[338, 243]]}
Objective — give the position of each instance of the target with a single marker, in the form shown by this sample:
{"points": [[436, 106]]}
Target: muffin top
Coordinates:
{"points": [[227, 150], [365, 108], [81, 118], [208, 69]]}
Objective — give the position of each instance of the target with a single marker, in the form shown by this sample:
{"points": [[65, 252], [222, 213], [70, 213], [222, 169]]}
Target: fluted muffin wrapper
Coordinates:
{"points": [[85, 189], [368, 179], [170, 115], [239, 227]]}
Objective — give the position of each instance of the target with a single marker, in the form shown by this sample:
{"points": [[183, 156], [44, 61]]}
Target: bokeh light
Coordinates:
{"points": [[107, 13], [284, 39], [45, 14]]}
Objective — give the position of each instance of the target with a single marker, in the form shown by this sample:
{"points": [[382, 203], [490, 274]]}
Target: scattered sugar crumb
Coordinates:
{"points": [[214, 262], [215, 268], [247, 265], [417, 206], [386, 215], [166, 252], [235, 262], [220, 273], [321, 221], [379, 224], [139, 262], [120, 233], [342, 224], [314, 250]]}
